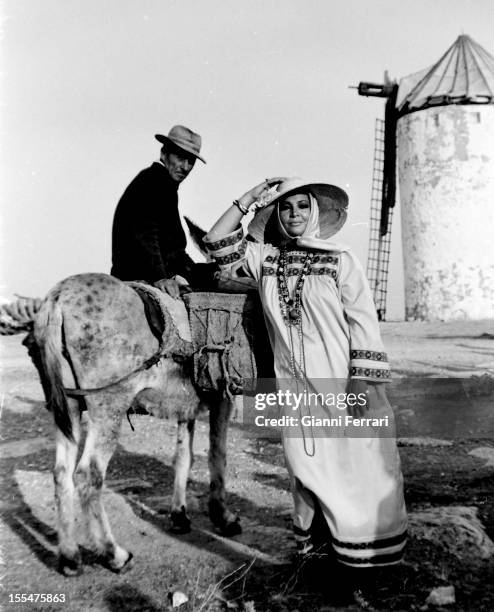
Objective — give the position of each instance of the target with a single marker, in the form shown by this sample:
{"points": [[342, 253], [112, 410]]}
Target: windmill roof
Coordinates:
{"points": [[463, 75]]}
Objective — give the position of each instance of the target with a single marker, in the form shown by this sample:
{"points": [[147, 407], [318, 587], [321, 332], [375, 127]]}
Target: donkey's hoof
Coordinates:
{"points": [[116, 567], [180, 522], [231, 528], [128, 565], [70, 566]]}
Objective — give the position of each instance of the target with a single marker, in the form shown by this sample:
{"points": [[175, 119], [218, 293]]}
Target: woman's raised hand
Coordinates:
{"points": [[260, 193], [230, 219]]}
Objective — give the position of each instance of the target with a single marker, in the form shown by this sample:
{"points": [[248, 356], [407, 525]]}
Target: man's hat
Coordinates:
{"points": [[183, 138]]}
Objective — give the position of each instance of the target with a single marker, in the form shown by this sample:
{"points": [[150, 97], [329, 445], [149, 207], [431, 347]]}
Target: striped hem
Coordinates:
{"points": [[375, 561], [385, 551], [380, 543]]}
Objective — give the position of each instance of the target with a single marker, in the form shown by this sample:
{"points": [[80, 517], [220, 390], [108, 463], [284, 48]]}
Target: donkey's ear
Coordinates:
{"points": [[197, 234]]}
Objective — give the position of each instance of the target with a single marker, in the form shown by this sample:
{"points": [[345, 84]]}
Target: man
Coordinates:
{"points": [[148, 241]]}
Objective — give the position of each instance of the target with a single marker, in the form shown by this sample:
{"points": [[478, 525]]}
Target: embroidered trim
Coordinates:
{"points": [[294, 272], [370, 372], [225, 242], [232, 257], [299, 257], [372, 355], [321, 264]]}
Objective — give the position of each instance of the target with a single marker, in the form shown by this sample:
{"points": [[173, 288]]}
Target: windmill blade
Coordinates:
{"points": [[380, 217], [389, 162], [196, 234]]}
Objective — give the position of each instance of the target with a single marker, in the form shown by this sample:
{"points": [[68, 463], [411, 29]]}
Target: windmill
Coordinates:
{"points": [[383, 195], [438, 129]]}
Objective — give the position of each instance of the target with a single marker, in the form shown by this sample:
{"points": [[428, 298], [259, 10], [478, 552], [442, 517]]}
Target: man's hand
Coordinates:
{"points": [[170, 286]]}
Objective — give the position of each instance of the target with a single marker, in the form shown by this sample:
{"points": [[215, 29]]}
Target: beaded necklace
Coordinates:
{"points": [[291, 306], [291, 311]]}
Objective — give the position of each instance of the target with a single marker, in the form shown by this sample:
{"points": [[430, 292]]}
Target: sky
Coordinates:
{"points": [[85, 84]]}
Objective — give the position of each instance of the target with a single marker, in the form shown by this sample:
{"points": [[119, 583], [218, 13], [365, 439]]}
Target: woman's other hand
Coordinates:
{"points": [[359, 388]]}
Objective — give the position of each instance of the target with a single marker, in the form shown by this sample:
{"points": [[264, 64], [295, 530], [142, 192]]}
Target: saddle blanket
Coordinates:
{"points": [[158, 304], [224, 332]]}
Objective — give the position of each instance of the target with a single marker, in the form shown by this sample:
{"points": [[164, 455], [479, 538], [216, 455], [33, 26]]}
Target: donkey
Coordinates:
{"points": [[91, 334]]}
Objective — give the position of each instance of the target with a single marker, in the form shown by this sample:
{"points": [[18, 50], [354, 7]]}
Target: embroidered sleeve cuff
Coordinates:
{"points": [[369, 365], [228, 249]]}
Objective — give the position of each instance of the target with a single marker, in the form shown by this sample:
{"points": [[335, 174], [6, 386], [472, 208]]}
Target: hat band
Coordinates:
{"points": [[185, 144]]}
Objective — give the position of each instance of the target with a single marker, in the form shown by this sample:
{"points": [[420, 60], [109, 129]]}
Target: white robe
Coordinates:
{"points": [[357, 481]]}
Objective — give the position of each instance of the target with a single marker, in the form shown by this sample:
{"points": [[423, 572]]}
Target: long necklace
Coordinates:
{"points": [[291, 311], [290, 305]]}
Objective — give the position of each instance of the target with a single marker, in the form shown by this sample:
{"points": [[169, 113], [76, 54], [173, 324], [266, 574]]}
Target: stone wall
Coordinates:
{"points": [[446, 181]]}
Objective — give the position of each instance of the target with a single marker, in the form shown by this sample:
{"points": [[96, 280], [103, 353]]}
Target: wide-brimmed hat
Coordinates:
{"points": [[183, 138], [332, 202]]}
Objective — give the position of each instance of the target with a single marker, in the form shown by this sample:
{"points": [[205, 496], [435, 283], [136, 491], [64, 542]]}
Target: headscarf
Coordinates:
{"points": [[309, 239]]}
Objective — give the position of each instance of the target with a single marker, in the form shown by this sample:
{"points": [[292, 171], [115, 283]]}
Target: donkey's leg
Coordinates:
{"points": [[182, 463], [221, 517], [101, 441], [69, 561]]}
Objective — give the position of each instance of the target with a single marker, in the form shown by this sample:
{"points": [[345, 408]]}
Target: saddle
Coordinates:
{"points": [[223, 333]]}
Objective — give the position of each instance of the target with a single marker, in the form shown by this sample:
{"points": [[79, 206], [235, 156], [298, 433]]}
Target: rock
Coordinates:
{"points": [[457, 529], [20, 448], [442, 596], [423, 442], [483, 385], [484, 452], [177, 598]]}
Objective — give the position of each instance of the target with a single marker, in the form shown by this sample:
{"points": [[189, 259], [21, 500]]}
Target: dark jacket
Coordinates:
{"points": [[148, 241]]}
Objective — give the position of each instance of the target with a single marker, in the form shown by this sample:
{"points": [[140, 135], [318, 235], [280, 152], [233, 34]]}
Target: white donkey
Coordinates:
{"points": [[90, 332]]}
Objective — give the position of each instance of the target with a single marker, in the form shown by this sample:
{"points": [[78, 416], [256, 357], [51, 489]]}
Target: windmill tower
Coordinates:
{"points": [[439, 124]]}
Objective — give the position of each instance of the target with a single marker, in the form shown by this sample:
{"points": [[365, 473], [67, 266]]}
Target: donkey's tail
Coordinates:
{"points": [[48, 338]]}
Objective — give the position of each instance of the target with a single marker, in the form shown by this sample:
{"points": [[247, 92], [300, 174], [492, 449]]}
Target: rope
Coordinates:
{"points": [[232, 383], [153, 360]]}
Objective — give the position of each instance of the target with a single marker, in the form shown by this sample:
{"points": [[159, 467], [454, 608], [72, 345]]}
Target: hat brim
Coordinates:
{"points": [[332, 202], [166, 141]]}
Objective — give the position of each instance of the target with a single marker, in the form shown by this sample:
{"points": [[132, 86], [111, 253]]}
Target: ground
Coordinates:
{"points": [[251, 571]]}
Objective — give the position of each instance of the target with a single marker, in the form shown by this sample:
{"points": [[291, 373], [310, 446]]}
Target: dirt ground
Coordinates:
{"points": [[252, 571]]}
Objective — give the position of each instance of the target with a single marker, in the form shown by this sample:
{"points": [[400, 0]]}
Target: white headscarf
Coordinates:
{"points": [[310, 236]]}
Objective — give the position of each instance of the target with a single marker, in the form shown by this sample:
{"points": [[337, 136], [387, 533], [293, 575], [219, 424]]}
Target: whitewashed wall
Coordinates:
{"points": [[446, 181]]}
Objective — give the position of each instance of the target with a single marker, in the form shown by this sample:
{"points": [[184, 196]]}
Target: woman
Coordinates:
{"points": [[323, 329]]}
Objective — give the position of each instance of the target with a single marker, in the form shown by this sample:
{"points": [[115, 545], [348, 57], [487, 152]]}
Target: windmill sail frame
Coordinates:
{"points": [[381, 217]]}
